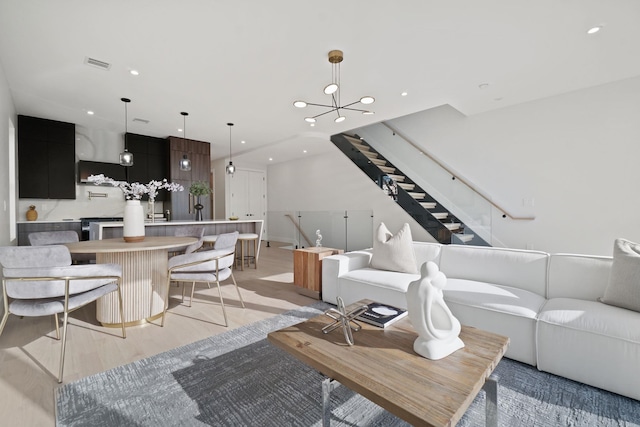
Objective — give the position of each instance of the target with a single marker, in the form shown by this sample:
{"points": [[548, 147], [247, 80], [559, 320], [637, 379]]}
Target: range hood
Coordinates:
{"points": [[87, 168]]}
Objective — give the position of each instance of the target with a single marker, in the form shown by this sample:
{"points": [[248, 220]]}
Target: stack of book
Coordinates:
{"points": [[382, 315]]}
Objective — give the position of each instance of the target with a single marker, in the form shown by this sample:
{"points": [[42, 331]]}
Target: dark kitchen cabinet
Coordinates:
{"points": [[199, 152], [149, 160], [46, 159]]}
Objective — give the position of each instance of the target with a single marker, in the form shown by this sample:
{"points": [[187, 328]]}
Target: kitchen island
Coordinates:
{"points": [[108, 230]]}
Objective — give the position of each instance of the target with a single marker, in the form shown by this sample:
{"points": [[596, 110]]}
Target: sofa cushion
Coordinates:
{"points": [[593, 317], [623, 289], [488, 296], [507, 267], [382, 278], [578, 276], [394, 253]]}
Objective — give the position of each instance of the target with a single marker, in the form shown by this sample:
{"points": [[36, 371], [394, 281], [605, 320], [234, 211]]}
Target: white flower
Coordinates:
{"points": [[135, 190]]}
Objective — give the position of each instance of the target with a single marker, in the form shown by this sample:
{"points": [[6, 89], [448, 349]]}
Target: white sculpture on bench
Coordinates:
{"points": [[437, 328]]}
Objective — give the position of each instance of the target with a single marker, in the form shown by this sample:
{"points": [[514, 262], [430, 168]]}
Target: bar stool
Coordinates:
{"points": [[243, 239]]}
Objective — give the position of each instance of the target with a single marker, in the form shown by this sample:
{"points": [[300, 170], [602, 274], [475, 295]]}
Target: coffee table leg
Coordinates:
{"points": [[327, 386], [491, 404]]}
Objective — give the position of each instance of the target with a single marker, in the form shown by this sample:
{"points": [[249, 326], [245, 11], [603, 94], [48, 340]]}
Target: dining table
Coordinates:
{"points": [[144, 276]]}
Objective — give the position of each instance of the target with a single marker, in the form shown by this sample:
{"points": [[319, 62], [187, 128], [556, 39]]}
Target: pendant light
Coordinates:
{"points": [[185, 163], [126, 158], [230, 168], [333, 89]]}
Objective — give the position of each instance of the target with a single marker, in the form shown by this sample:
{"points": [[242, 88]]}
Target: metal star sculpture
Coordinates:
{"points": [[344, 319]]}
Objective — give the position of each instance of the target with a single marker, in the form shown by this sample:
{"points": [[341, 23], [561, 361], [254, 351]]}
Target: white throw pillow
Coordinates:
{"points": [[394, 253], [623, 289]]}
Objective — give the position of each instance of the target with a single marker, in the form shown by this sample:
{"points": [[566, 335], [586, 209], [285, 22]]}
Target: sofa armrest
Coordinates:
{"points": [[335, 266]]}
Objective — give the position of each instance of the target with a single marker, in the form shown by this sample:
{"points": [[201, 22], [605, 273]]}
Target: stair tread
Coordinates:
{"points": [[452, 225], [465, 237], [428, 205], [416, 196], [397, 178], [406, 185], [440, 215], [387, 169], [379, 162]]}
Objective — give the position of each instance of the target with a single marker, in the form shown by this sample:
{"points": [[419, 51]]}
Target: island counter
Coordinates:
{"points": [[109, 230]]}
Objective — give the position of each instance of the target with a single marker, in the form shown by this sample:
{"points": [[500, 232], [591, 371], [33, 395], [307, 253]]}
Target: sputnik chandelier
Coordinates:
{"points": [[333, 89]]}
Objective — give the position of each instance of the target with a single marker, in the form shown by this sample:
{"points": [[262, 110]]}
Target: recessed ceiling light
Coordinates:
{"points": [[304, 151], [243, 142], [404, 94], [594, 30], [134, 72], [312, 124], [179, 130], [270, 159], [90, 113]]}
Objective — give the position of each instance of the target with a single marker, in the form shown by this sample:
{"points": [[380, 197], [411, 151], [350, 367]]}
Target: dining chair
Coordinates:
{"points": [[44, 238], [189, 231], [40, 281], [207, 266]]}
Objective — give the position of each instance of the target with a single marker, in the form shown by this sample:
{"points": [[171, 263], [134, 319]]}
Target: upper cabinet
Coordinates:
{"points": [[199, 153], [149, 160], [46, 159]]}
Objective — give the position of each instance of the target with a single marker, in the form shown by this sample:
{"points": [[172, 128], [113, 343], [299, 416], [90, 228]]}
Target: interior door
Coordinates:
{"points": [[248, 194]]}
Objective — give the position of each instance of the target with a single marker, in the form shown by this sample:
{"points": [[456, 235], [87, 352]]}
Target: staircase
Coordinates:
{"points": [[432, 216]]}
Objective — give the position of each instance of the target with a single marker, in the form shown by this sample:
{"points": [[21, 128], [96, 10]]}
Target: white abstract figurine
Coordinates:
{"points": [[437, 328], [318, 239]]}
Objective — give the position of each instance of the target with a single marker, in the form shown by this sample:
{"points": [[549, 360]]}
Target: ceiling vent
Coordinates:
{"points": [[97, 63], [145, 121]]}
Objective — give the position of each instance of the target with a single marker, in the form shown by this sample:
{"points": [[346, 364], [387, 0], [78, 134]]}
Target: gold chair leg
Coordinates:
{"points": [[237, 289], [193, 288], [4, 320], [224, 312], [166, 300], [55, 317], [64, 345], [121, 306]]}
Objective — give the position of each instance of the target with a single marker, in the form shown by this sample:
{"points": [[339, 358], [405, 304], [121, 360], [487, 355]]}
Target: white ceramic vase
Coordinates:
{"points": [[133, 221], [438, 330]]}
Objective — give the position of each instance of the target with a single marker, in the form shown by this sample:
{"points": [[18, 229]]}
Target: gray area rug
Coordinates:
{"points": [[240, 379]]}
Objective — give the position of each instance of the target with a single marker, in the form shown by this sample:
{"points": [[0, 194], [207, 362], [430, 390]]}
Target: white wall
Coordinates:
{"points": [[8, 208], [576, 155], [329, 182]]}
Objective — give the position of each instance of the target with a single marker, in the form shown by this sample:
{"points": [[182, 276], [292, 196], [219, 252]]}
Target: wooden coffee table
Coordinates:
{"points": [[383, 367]]}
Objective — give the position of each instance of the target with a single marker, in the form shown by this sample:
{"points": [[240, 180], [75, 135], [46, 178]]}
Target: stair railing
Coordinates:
{"points": [[459, 177]]}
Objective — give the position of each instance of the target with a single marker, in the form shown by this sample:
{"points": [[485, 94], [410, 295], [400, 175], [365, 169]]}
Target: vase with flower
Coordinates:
{"points": [[133, 230]]}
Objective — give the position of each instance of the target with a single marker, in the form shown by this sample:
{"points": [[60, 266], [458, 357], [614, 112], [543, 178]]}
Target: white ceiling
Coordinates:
{"points": [[246, 61]]}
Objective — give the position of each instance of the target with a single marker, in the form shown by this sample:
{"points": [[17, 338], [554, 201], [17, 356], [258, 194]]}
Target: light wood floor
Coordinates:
{"points": [[29, 354]]}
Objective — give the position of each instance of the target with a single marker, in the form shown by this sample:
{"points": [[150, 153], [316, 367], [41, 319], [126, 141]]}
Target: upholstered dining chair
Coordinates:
{"points": [[208, 266], [189, 231], [40, 281], [45, 238]]}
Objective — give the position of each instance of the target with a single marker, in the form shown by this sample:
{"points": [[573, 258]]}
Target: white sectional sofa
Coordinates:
{"points": [[545, 303]]}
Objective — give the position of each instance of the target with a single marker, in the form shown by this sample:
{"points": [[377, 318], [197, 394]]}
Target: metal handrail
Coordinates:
{"points": [[457, 176]]}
